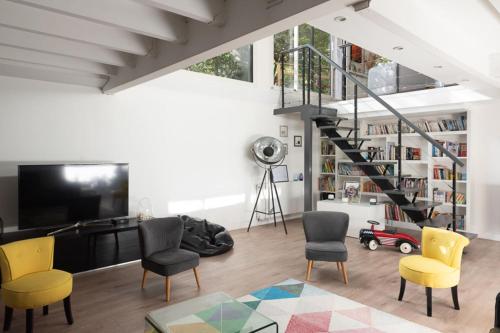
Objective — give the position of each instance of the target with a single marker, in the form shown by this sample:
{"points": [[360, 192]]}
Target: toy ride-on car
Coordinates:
{"points": [[372, 238]]}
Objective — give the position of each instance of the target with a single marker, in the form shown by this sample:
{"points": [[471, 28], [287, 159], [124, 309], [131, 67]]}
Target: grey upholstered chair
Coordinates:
{"points": [[160, 240], [325, 236]]}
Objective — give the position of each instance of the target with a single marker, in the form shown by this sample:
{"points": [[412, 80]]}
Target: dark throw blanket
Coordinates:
{"points": [[207, 239]]}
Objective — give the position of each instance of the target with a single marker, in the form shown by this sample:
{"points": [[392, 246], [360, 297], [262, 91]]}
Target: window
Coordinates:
{"points": [[236, 64]]}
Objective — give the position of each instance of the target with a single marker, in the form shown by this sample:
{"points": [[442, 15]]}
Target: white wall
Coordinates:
{"points": [[484, 168], [186, 137]]}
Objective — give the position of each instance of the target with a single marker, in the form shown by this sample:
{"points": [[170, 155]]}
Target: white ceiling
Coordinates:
{"points": [[116, 44], [452, 41]]}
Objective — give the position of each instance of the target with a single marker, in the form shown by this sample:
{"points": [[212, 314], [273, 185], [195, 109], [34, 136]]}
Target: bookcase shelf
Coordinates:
{"points": [[421, 168]]}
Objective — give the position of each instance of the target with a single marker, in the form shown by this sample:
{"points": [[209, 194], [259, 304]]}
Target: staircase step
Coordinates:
{"points": [[338, 128], [403, 191], [349, 139], [327, 118], [365, 150], [305, 109], [371, 163], [440, 221], [421, 205], [385, 177]]}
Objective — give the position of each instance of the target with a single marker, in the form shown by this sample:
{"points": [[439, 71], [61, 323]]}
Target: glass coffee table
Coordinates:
{"points": [[214, 313]]}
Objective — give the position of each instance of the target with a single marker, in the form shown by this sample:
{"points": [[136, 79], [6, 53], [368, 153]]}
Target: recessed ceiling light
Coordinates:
{"points": [[438, 66], [339, 18], [398, 48]]}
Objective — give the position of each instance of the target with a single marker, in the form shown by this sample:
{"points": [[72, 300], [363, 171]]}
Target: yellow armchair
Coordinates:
{"points": [[437, 267], [29, 281]]}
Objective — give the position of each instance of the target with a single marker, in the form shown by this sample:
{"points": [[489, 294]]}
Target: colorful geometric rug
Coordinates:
{"points": [[301, 308]]}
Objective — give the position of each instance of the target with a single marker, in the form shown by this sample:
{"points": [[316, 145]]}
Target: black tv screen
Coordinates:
{"points": [[52, 195]]}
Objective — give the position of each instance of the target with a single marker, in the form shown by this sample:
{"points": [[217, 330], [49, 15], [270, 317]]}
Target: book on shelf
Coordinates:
{"points": [[420, 183], [380, 155], [371, 187], [407, 153], [444, 173], [327, 184], [394, 213], [327, 148], [460, 221], [328, 165], [443, 125], [354, 170], [447, 196], [456, 148]]}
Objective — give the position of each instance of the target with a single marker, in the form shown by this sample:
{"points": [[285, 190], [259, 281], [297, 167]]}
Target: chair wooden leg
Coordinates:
{"points": [[402, 289], [144, 278], [29, 320], [454, 294], [167, 288], [309, 269], [45, 310], [428, 293], [344, 272], [338, 266], [67, 310], [7, 318], [196, 277]]}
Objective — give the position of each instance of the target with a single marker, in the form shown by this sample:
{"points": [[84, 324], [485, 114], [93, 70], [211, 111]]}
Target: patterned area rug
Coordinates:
{"points": [[301, 308]]}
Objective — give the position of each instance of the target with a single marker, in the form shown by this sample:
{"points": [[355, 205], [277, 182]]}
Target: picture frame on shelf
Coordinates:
{"points": [[297, 141], [351, 192], [283, 131]]}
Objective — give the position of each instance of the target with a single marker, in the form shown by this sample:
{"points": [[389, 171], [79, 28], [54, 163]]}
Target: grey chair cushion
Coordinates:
{"points": [[170, 262], [325, 226], [326, 251]]}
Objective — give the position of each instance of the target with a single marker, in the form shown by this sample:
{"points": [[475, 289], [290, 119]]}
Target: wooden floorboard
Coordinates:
{"points": [[111, 300]]}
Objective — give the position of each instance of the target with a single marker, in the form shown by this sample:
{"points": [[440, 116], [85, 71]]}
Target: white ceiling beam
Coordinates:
{"points": [[55, 45], [54, 60], [125, 14], [42, 73], [37, 20], [206, 11], [246, 22]]}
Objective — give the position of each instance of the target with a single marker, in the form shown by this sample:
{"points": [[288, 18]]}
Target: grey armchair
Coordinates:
{"points": [[325, 236], [160, 253]]}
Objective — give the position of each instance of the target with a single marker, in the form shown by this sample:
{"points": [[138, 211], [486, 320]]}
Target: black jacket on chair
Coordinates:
{"points": [[160, 253]]}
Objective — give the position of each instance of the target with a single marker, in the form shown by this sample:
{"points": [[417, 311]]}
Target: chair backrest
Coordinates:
{"points": [[444, 245], [160, 234], [322, 226], [26, 256]]}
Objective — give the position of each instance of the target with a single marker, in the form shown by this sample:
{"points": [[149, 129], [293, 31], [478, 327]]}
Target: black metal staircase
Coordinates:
{"points": [[348, 140]]}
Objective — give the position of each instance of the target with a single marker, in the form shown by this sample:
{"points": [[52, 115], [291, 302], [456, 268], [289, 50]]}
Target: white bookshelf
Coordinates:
{"points": [[423, 168]]}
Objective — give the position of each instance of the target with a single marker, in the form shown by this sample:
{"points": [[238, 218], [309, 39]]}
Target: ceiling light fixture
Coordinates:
{"points": [[398, 48], [339, 19]]}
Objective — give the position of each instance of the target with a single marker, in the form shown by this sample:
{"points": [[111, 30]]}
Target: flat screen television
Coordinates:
{"points": [[54, 195]]}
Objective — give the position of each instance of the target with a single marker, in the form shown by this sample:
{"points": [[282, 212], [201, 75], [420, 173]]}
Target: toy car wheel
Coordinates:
{"points": [[373, 245], [405, 248]]}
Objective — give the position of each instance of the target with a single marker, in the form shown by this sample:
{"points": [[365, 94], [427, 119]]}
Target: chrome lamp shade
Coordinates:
{"points": [[268, 150]]}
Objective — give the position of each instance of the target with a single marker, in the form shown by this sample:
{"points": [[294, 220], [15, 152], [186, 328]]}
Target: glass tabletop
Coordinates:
{"points": [[214, 313]]}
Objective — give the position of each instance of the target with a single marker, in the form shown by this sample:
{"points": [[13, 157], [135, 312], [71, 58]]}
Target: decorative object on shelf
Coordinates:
{"points": [[283, 131], [373, 201], [145, 211], [268, 153], [372, 238], [351, 191], [331, 196], [297, 141]]}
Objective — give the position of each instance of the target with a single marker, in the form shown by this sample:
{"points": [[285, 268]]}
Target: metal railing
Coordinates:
{"points": [[306, 99]]}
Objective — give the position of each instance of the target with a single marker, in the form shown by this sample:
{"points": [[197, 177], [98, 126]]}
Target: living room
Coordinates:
{"points": [[193, 131]]}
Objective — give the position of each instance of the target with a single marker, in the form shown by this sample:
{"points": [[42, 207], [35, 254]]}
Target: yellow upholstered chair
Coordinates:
{"points": [[29, 281], [437, 267]]}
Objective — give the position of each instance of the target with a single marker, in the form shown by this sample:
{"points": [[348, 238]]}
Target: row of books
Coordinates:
{"points": [[327, 184], [353, 170], [460, 219], [421, 183], [371, 187], [447, 196], [327, 148], [442, 172], [456, 148], [407, 153], [443, 125], [328, 165], [394, 213]]}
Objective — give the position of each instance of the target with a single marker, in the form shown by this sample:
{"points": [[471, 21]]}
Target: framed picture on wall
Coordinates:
{"points": [[297, 141], [283, 131]]}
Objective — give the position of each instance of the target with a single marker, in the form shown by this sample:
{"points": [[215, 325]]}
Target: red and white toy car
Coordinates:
{"points": [[372, 238]]}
